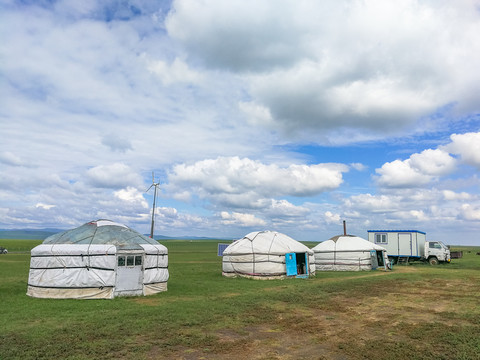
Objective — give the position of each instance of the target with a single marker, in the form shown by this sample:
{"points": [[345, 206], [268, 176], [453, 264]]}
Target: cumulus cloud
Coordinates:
{"points": [[377, 67], [238, 35], [44, 206], [373, 203], [452, 195], [400, 174], [117, 143], [282, 209], [9, 158], [469, 212], [110, 91], [176, 72], [131, 194], [256, 114], [113, 176], [358, 166], [234, 179], [331, 217], [433, 210], [168, 217], [418, 170], [467, 146], [240, 219]]}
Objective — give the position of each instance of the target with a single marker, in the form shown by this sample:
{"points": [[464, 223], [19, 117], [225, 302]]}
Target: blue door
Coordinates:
{"points": [[291, 263]]}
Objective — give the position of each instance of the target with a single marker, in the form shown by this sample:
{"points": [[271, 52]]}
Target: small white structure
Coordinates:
{"points": [[349, 253], [98, 260], [267, 255], [400, 243]]}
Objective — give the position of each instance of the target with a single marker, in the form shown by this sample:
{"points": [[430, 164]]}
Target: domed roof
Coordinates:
{"points": [[266, 242], [345, 243], [102, 232]]}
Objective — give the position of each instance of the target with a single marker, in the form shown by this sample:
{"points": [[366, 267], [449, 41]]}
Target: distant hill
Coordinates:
{"points": [[163, 237], [42, 234], [27, 234]]}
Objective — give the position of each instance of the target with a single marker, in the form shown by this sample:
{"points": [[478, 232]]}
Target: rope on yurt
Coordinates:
{"points": [[253, 257], [270, 248], [335, 253], [90, 243], [253, 252]]}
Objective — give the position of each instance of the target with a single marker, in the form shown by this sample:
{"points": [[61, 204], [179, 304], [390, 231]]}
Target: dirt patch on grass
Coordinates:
{"points": [[367, 325]]}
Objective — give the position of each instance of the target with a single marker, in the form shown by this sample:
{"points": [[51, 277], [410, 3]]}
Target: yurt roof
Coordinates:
{"points": [[266, 242], [101, 232], [347, 242]]}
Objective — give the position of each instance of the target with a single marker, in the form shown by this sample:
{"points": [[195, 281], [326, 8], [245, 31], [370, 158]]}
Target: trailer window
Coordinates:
{"points": [[381, 238], [121, 261]]}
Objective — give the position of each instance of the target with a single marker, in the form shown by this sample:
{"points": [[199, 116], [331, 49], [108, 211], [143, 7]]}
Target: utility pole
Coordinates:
{"points": [[155, 185]]}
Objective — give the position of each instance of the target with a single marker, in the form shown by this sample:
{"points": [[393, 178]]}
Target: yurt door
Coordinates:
{"points": [[129, 274], [373, 257], [291, 263]]}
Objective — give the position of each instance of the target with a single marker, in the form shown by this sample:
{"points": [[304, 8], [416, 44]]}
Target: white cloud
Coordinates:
{"points": [[131, 194], [451, 195], [168, 218], [256, 114], [412, 216], [176, 72], [377, 67], [109, 92], [467, 146], [332, 218], [432, 210], [10, 158], [470, 212], [420, 169], [240, 219], [369, 203], [117, 143], [234, 180], [433, 162], [400, 174], [238, 35], [44, 206], [284, 209], [358, 166], [113, 176]]}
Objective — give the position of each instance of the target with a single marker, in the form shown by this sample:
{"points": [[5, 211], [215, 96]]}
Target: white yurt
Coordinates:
{"points": [[267, 255], [98, 260], [349, 253]]}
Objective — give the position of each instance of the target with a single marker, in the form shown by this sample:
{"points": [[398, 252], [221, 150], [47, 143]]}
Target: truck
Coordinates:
{"points": [[409, 245]]}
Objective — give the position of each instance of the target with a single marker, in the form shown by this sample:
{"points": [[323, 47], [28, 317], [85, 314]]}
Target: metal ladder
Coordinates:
{"points": [[403, 260]]}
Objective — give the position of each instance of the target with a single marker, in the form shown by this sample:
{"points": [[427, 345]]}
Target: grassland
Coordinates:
{"points": [[415, 312]]}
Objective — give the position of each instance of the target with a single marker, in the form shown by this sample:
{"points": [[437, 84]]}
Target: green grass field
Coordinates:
{"points": [[415, 312]]}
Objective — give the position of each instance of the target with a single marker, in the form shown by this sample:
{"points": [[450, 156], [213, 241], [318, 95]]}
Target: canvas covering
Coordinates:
{"points": [[261, 254], [82, 263], [345, 253]]}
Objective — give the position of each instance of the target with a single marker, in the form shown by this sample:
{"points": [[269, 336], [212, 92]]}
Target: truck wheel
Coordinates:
{"points": [[433, 261]]}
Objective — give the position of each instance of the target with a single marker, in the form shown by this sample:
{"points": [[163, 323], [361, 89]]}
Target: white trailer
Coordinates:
{"points": [[409, 245]]}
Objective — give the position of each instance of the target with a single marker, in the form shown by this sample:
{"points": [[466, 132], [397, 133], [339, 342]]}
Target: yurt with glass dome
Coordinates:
{"points": [[101, 259]]}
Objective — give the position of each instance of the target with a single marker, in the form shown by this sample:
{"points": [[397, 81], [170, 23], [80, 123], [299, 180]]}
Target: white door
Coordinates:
{"points": [[415, 246], [404, 244], [129, 274]]}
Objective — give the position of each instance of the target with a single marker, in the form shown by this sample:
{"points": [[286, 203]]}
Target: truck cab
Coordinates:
{"points": [[436, 251]]}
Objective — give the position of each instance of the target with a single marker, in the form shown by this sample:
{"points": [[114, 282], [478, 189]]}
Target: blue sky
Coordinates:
{"points": [[283, 115]]}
